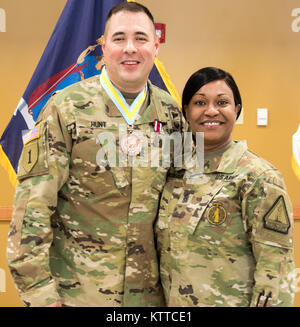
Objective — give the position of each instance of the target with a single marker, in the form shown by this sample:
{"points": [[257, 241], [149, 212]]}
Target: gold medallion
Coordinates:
{"points": [[131, 144], [216, 213]]}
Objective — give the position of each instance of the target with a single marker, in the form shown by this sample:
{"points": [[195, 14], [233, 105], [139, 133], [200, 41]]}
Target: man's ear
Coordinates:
{"points": [[102, 43], [157, 43]]}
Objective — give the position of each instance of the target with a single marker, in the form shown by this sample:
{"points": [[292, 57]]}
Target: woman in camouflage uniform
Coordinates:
{"points": [[225, 236]]}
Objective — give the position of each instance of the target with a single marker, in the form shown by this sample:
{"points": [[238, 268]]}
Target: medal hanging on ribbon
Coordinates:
{"points": [[130, 143], [128, 112]]}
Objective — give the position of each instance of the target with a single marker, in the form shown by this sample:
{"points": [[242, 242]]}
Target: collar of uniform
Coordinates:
{"points": [[226, 162], [150, 114], [110, 108]]}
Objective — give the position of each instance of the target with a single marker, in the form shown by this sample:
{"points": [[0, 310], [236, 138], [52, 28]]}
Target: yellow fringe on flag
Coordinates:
{"points": [[296, 167], [8, 167], [166, 78]]}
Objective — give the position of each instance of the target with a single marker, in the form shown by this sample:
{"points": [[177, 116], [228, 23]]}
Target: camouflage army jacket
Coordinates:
{"points": [[82, 232], [225, 237]]}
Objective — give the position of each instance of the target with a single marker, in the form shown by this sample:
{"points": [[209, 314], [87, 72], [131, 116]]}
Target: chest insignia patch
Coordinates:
{"points": [[216, 213], [277, 218]]}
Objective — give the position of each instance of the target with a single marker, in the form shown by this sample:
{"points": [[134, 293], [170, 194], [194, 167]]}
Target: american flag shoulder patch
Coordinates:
{"points": [[31, 134]]}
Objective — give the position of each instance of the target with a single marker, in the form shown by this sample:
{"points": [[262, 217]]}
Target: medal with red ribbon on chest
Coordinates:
{"points": [[157, 126]]}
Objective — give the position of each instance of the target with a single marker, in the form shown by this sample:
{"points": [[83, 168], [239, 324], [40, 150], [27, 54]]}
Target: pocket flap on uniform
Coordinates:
{"points": [[119, 176], [199, 204], [198, 212]]}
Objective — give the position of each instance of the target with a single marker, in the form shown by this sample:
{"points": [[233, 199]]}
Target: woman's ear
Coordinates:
{"points": [[237, 109], [184, 112]]}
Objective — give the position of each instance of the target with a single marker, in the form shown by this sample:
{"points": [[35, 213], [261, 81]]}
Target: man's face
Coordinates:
{"points": [[129, 46]]}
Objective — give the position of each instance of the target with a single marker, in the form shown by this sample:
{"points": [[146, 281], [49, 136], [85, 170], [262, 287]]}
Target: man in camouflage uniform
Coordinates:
{"points": [[225, 237], [82, 227]]}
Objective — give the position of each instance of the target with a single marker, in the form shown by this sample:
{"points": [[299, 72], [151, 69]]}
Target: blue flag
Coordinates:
{"points": [[72, 54]]}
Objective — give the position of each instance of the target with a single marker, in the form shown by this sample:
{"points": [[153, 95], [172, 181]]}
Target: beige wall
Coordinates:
{"points": [[253, 40], [29, 25]]}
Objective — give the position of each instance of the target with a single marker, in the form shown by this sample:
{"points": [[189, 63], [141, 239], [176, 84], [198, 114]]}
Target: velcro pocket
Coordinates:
{"points": [[193, 202]]}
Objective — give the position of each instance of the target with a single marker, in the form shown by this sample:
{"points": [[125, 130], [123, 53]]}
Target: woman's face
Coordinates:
{"points": [[212, 110]]}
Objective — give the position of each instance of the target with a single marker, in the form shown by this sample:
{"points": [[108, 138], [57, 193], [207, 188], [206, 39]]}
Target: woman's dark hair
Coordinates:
{"points": [[207, 75]]}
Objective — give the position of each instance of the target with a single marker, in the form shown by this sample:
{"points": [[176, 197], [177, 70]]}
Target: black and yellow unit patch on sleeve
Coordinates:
{"points": [[277, 218], [30, 156], [216, 213], [33, 159]]}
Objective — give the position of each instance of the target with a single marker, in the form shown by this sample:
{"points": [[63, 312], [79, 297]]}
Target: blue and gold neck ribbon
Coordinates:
{"points": [[128, 112]]}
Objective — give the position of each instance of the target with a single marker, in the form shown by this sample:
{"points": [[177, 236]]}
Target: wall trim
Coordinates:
{"points": [[296, 209], [6, 212]]}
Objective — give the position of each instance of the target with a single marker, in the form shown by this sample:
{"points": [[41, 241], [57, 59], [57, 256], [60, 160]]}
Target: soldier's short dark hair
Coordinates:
{"points": [[129, 6], [207, 75]]}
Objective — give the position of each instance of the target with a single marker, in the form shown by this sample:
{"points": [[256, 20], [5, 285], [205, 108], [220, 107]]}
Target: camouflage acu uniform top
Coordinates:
{"points": [[225, 238], [82, 233]]}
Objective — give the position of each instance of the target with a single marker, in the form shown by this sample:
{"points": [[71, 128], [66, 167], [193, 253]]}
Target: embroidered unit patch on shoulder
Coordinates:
{"points": [[30, 156], [216, 213], [277, 218]]}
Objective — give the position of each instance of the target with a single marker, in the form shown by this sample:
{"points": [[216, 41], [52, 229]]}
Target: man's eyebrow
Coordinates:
{"points": [[141, 33], [118, 33], [136, 33]]}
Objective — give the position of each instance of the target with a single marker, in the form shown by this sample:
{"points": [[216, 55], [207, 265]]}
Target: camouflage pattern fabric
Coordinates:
{"points": [[82, 232], [225, 237]]}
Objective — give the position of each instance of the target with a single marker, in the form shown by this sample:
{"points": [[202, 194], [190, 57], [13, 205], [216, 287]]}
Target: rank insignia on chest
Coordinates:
{"points": [[277, 218], [216, 213]]}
